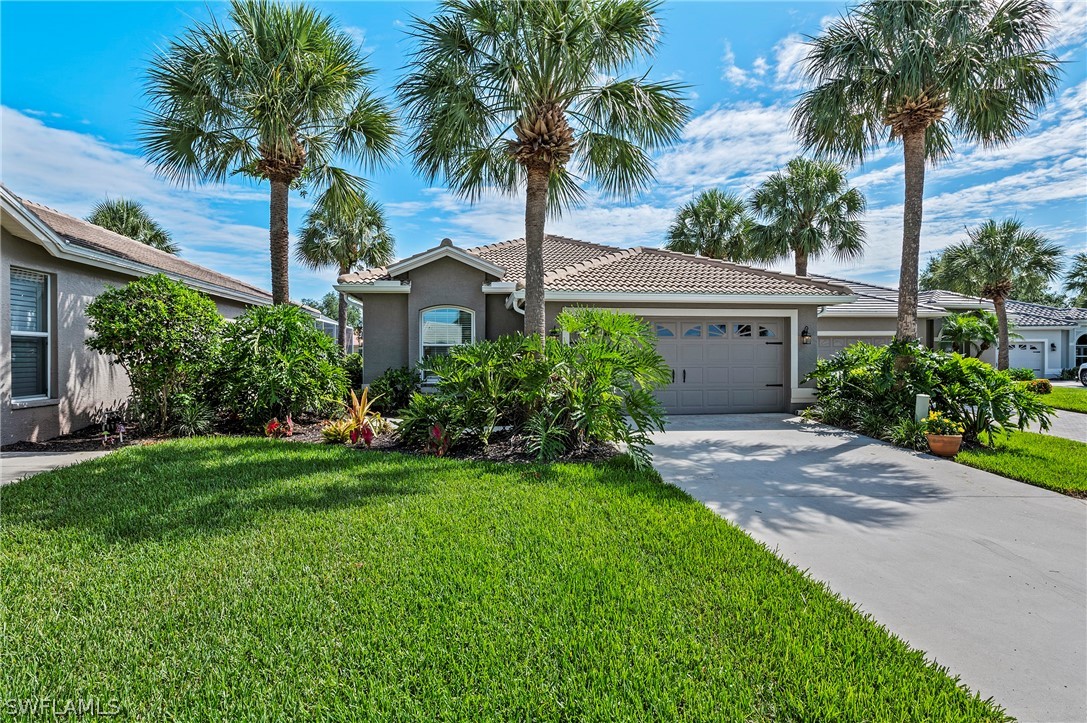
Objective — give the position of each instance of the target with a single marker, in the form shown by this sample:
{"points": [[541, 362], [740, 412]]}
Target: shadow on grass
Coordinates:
{"points": [[208, 487]]}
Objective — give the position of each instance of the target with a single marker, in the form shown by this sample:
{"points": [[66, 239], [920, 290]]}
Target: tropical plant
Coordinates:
{"points": [[1075, 280], [279, 94], [345, 236], [352, 366], [714, 224], [1020, 374], [338, 431], [275, 363], [939, 423], [807, 210], [506, 95], [996, 258], [393, 390], [162, 333], [131, 219], [277, 429], [970, 333], [190, 416], [924, 72]]}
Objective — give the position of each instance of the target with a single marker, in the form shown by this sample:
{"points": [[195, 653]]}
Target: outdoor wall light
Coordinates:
{"points": [[1052, 346], [805, 336]]}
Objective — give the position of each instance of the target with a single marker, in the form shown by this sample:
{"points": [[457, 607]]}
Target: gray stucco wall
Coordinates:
{"points": [[83, 382], [500, 320], [385, 334]]}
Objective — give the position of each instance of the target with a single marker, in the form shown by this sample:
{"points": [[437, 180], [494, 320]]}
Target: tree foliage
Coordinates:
{"points": [[970, 333], [715, 224], [162, 333], [131, 219], [1075, 280]]}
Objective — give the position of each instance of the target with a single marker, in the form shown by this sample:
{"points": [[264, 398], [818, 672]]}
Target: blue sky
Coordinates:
{"points": [[71, 91]]}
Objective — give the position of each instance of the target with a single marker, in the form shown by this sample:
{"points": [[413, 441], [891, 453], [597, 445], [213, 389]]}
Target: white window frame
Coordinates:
{"points": [[422, 312], [47, 334]]}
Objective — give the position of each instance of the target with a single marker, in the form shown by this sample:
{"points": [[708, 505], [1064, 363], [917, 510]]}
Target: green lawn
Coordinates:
{"points": [[1072, 399], [1040, 459], [237, 579]]}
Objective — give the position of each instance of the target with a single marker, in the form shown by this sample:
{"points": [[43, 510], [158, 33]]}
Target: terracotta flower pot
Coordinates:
{"points": [[944, 445]]}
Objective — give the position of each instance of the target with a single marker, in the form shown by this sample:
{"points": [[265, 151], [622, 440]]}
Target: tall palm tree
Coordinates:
{"points": [[279, 95], [714, 224], [997, 257], [345, 236], [1075, 280], [808, 210], [924, 72], [131, 219], [523, 95]]}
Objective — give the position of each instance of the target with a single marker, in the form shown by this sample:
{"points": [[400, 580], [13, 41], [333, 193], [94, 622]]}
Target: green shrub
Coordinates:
{"points": [[275, 363], [392, 391], [860, 384], [190, 416], [909, 434], [163, 334], [1068, 375], [1040, 386], [352, 366], [1021, 375], [554, 397]]}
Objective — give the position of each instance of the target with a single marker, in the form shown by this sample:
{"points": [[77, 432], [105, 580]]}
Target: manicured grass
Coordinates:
{"points": [[1072, 399], [1039, 459], [242, 579]]}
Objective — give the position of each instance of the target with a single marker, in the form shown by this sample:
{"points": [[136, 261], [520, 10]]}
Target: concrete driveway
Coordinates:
{"points": [[15, 466], [986, 575]]}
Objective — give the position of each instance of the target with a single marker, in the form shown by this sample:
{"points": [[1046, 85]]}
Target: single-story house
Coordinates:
{"points": [[1051, 338], [738, 339], [52, 266]]}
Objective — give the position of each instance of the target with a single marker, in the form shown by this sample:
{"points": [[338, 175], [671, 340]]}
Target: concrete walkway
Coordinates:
{"points": [[15, 466], [1070, 425], [988, 576]]}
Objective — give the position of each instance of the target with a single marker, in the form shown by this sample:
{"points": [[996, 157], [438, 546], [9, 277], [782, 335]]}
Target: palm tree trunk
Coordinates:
{"points": [[1002, 325], [341, 316], [801, 261], [535, 215], [913, 143], [280, 242]]}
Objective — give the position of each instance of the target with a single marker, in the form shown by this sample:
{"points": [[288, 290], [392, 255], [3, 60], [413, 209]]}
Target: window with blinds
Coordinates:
{"points": [[29, 334], [444, 328]]}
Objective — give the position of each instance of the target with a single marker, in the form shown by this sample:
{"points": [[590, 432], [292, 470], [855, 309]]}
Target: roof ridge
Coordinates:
{"points": [[709, 261], [551, 236]]}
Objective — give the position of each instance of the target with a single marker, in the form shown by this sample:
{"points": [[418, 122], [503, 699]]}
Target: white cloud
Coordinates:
{"points": [[760, 66], [1069, 23], [789, 55], [734, 73]]}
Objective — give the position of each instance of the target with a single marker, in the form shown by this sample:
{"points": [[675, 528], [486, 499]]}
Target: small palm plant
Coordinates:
{"points": [[807, 210], [924, 72], [714, 224], [971, 333], [131, 219], [281, 94], [997, 257], [345, 236], [507, 96]]}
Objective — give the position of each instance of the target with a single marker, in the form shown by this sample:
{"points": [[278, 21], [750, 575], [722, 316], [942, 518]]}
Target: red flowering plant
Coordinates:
{"points": [[276, 429], [439, 440]]}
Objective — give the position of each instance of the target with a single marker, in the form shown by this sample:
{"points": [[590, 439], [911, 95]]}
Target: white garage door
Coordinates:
{"points": [[831, 345], [1026, 355], [723, 366]]}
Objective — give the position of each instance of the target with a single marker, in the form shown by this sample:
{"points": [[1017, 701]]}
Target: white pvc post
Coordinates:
{"points": [[921, 407]]}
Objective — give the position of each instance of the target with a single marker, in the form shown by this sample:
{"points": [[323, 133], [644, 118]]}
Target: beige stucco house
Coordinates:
{"points": [[52, 266], [738, 339]]}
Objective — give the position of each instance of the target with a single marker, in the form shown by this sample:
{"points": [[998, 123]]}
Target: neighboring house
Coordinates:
{"points": [[1052, 338], [53, 265], [738, 339]]}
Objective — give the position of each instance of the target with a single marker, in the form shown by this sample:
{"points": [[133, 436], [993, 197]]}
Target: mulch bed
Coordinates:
{"points": [[503, 447]]}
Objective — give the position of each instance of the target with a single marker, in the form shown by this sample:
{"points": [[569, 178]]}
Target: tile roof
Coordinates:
{"points": [[873, 300], [86, 234], [1025, 314], [581, 266], [951, 300]]}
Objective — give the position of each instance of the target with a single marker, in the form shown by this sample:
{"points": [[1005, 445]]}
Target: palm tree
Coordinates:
{"points": [[279, 95], [714, 224], [924, 72], [1075, 280], [509, 95], [997, 257], [346, 237], [969, 330], [131, 219], [809, 211]]}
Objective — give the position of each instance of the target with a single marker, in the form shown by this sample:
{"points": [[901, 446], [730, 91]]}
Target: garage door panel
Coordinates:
{"points": [[729, 364]]}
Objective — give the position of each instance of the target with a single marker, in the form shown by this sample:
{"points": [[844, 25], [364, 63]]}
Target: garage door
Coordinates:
{"points": [[723, 366], [1026, 355], [831, 345]]}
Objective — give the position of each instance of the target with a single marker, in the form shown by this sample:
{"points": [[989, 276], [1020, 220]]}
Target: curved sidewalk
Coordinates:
{"points": [[988, 576]]}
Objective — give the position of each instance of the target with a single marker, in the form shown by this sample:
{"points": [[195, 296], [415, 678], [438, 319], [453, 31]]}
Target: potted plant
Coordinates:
{"points": [[944, 435]]}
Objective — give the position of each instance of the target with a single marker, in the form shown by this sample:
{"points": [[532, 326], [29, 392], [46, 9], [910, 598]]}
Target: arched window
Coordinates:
{"points": [[443, 327], [1081, 350]]}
